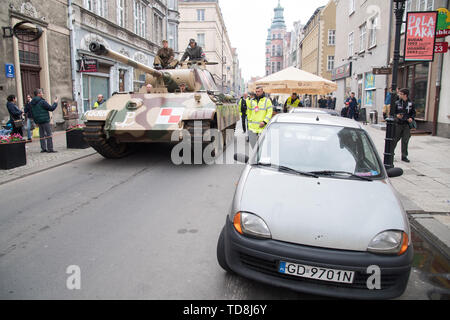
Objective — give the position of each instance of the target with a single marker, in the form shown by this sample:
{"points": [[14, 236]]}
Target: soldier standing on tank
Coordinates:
{"points": [[193, 52], [165, 57]]}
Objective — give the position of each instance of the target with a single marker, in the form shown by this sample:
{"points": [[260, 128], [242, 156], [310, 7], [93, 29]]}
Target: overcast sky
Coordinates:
{"points": [[247, 22]]}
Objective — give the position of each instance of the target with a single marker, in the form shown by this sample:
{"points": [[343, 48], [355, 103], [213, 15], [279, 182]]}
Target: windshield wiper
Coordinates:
{"points": [[287, 169], [332, 173]]}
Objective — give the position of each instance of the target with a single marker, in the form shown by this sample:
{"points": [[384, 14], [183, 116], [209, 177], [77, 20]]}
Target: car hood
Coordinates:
{"points": [[325, 212]]}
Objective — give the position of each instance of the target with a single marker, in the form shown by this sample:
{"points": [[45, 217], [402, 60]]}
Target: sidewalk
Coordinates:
{"points": [[424, 187], [37, 161]]}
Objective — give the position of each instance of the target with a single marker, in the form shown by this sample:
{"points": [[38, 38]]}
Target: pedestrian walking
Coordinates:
{"points": [[243, 104], [29, 117], [329, 103], [40, 109], [15, 115], [333, 106], [259, 113], [404, 114], [352, 104]]}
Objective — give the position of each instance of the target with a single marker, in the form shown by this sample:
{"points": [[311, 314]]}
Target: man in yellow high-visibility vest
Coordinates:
{"points": [[292, 102], [259, 113]]}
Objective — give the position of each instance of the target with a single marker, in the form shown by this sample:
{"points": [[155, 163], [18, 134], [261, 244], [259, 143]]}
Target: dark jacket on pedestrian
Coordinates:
{"points": [[344, 112], [352, 103], [14, 112], [406, 109], [243, 103], [195, 53], [27, 110], [40, 109]]}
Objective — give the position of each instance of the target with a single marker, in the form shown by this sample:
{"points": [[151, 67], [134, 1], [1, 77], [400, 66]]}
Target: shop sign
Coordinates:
{"points": [[420, 35], [441, 47], [382, 71], [87, 65], [443, 25], [27, 34], [342, 72]]}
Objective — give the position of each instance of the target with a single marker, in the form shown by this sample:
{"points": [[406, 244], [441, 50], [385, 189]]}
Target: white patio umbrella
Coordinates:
{"points": [[292, 80]]}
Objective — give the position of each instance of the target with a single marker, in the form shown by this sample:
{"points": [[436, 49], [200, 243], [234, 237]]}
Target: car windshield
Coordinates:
{"points": [[320, 149]]}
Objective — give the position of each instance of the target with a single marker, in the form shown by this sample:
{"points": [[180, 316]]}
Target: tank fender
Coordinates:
{"points": [[96, 115], [200, 114]]}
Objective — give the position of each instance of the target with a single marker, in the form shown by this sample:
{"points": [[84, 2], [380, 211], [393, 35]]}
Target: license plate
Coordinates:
{"points": [[317, 273]]}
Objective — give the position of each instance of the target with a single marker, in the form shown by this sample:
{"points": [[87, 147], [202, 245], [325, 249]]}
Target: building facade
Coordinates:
{"points": [[364, 38], [318, 44], [422, 78], [202, 20], [134, 28], [40, 63], [275, 42]]}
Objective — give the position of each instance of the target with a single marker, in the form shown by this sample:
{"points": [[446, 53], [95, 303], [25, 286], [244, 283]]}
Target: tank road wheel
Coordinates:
{"points": [[108, 148]]}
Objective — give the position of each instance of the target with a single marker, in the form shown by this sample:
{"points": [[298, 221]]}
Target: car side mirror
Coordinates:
{"points": [[239, 157], [394, 172]]}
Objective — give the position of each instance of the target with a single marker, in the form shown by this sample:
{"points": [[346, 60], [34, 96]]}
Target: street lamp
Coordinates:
{"points": [[399, 9]]}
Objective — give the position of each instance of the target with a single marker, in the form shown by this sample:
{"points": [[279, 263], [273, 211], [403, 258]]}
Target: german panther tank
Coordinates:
{"points": [[162, 112]]}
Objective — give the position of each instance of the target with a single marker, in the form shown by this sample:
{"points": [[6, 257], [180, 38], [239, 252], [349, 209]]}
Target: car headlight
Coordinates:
{"points": [[251, 224], [389, 242]]}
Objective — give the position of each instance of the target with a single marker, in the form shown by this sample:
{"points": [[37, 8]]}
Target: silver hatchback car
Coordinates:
{"points": [[337, 226]]}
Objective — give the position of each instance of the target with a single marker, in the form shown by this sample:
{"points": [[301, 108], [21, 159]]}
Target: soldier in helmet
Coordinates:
{"points": [[165, 58], [193, 52]]}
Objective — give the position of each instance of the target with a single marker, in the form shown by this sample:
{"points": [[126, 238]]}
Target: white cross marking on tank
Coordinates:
{"points": [[130, 115]]}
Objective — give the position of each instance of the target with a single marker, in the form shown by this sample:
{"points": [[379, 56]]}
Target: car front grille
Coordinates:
{"points": [[270, 267]]}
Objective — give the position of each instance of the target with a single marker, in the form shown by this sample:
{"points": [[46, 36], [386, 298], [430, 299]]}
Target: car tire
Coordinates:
{"points": [[221, 252]]}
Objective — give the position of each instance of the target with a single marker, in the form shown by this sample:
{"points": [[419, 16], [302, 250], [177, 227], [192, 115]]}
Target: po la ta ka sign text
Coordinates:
{"points": [[420, 36]]}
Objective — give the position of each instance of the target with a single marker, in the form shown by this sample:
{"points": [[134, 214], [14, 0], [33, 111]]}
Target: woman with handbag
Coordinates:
{"points": [[15, 115]]}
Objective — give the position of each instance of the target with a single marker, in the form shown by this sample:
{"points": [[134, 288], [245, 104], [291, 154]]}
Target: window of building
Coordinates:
{"points": [[172, 4], [373, 31], [140, 17], [157, 28], [351, 44], [200, 14], [96, 6], [330, 63], [351, 6], [172, 36], [120, 13], [425, 5], [278, 66], [362, 37], [331, 37], [273, 67], [201, 39], [273, 50], [279, 50]]}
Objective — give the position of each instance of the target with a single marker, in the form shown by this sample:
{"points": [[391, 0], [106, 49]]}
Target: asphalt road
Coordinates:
{"points": [[138, 228]]}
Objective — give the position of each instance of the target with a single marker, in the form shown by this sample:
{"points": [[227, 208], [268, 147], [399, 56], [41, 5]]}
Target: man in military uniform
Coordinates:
{"points": [[193, 52], [165, 57]]}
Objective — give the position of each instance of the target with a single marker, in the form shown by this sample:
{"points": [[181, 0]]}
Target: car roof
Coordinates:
{"points": [[308, 110], [316, 118]]}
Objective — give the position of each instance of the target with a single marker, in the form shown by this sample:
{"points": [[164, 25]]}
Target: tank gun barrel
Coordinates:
{"points": [[101, 50]]}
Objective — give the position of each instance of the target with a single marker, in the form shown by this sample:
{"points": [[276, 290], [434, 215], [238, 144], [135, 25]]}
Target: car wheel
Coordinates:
{"points": [[221, 252]]}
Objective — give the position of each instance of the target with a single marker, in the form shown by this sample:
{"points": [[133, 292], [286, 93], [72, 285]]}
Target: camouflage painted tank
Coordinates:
{"points": [[158, 115]]}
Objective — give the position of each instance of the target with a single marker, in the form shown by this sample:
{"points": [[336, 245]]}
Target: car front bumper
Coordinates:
{"points": [[259, 260]]}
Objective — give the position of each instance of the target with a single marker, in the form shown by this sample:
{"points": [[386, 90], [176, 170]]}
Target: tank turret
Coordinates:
{"points": [[160, 113]]}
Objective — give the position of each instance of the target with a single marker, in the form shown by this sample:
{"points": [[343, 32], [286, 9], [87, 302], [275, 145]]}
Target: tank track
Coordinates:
{"points": [[94, 135]]}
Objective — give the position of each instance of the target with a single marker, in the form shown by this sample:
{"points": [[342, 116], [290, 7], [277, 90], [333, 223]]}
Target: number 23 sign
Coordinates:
{"points": [[441, 47]]}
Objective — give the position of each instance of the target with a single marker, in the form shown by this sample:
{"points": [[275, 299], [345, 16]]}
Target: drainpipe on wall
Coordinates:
{"points": [[72, 51], [389, 41], [438, 88]]}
